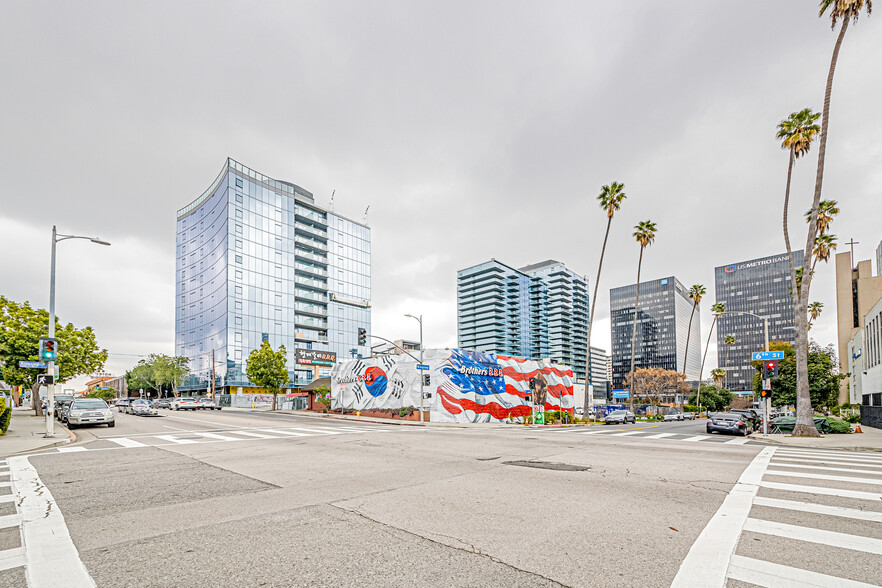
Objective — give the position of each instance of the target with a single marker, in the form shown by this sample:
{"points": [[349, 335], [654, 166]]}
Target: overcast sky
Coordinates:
{"points": [[471, 129]]}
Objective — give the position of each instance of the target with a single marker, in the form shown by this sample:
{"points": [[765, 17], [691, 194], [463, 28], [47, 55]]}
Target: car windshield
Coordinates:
{"points": [[617, 413], [141, 402], [728, 416], [87, 404], [187, 399]]}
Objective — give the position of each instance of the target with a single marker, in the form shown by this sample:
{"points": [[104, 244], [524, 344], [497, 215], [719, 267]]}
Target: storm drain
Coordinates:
{"points": [[548, 465]]}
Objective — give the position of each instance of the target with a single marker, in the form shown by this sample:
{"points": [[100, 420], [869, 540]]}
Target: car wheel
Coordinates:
{"points": [[111, 424], [709, 432], [71, 426]]}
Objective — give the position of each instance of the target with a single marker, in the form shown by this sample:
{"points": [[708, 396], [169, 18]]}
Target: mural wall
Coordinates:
{"points": [[465, 386]]}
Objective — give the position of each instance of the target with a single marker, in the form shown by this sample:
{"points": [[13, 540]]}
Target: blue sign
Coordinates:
{"points": [[32, 364], [664, 282], [422, 367], [767, 355], [621, 393]]}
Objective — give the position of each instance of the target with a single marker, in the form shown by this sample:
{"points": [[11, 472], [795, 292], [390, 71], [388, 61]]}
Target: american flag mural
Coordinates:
{"points": [[465, 386]]}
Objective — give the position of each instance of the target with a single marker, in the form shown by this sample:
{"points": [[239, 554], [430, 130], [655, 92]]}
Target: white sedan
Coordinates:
{"points": [[673, 416]]}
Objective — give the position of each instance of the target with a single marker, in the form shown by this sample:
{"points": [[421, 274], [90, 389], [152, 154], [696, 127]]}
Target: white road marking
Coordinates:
{"points": [[219, 437], [124, 442], [168, 427], [821, 490], [51, 559], [256, 435], [174, 439], [591, 432], [708, 559], [697, 438], [812, 535], [772, 575], [737, 441], [71, 449], [660, 435], [7, 497], [316, 430], [291, 433], [822, 509], [12, 558], [816, 460], [813, 476], [12, 520], [832, 455], [825, 468], [626, 433]]}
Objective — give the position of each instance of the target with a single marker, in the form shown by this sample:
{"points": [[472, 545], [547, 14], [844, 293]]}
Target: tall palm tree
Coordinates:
{"points": [[729, 341], [718, 374], [717, 309], [827, 209], [846, 11], [644, 232], [695, 293], [814, 309], [824, 246], [610, 201]]}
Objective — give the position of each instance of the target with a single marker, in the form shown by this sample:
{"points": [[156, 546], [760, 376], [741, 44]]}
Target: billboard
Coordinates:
{"points": [[465, 386], [315, 357]]}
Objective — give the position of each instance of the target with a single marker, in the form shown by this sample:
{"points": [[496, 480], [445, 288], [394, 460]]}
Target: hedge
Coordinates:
{"points": [[5, 416]]}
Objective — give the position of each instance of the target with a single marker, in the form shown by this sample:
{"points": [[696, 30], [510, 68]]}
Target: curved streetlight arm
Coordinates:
{"points": [[765, 320]]}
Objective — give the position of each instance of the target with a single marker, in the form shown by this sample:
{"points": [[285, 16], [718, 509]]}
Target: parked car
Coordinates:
{"points": [[688, 416], [164, 403], [122, 403], [184, 403], [61, 400], [754, 420], [673, 416], [88, 411], [620, 417], [728, 422], [206, 403], [141, 407]]}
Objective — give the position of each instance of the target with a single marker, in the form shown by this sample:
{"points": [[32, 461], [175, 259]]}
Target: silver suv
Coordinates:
{"points": [[88, 411]]}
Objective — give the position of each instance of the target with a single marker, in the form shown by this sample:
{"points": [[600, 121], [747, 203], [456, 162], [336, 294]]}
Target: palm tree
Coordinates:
{"points": [[846, 11], [717, 309], [729, 341], [644, 232], [814, 309], [718, 374], [695, 293], [827, 209], [610, 200], [824, 246]]}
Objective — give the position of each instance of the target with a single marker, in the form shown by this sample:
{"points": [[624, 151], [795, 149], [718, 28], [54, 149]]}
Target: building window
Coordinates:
{"points": [[238, 259], [238, 182], [238, 198]]}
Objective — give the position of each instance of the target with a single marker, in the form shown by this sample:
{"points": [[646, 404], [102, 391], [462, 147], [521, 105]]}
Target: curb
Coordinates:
{"points": [[780, 443]]}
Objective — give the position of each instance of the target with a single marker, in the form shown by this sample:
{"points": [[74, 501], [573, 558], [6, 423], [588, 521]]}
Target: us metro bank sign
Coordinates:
{"points": [[731, 269]]}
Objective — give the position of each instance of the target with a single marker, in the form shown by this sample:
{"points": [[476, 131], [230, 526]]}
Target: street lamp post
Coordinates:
{"points": [[50, 367], [419, 319], [765, 320]]}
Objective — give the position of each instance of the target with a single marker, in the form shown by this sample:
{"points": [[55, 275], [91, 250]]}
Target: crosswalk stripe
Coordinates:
{"points": [[71, 449], [823, 509], [290, 433], [12, 558], [813, 535], [737, 441], [772, 575], [591, 432], [12, 520], [256, 435], [828, 461], [7, 497], [830, 454], [316, 430], [860, 495], [5, 484], [124, 442], [174, 439], [218, 437], [697, 438], [660, 435], [825, 468], [626, 433], [812, 476]]}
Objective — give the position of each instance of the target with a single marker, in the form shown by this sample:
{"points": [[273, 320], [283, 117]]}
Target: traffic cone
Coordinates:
{"points": [[857, 428]]}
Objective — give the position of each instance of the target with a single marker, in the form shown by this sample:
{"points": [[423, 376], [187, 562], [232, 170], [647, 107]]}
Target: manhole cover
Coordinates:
{"points": [[548, 465]]}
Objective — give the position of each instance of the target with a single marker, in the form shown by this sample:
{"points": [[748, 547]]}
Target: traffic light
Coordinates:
{"points": [[427, 380], [362, 336], [48, 349], [770, 370], [765, 394]]}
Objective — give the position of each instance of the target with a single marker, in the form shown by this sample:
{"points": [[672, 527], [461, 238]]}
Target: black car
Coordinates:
{"points": [[61, 400], [755, 421], [728, 422]]}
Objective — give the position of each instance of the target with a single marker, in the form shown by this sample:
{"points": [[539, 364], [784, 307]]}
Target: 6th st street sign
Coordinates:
{"points": [[767, 355]]}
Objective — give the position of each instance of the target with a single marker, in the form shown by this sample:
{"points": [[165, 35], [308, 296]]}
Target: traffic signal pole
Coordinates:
{"points": [[50, 366]]}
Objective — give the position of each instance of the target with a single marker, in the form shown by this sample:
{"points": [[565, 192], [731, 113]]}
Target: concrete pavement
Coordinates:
{"points": [[869, 440], [26, 433]]}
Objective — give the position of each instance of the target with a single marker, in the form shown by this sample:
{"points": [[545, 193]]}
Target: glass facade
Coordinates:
{"points": [[258, 260], [762, 287], [662, 325], [538, 311]]}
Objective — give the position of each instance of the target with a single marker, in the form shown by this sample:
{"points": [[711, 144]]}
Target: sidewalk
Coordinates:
{"points": [[869, 440], [26, 432]]}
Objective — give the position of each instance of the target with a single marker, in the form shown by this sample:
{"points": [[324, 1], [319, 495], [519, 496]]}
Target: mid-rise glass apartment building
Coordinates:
{"points": [[662, 325], [258, 260], [537, 311], [760, 287]]}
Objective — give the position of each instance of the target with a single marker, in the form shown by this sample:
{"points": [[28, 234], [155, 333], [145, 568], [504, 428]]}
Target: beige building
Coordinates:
{"points": [[857, 292]]}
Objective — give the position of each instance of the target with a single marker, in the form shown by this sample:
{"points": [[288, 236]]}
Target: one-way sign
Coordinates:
{"points": [[45, 379]]}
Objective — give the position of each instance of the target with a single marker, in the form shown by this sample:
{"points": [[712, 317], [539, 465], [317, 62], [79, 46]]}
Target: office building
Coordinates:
{"points": [[537, 312], [752, 290], [857, 292], [662, 324], [258, 260], [599, 379], [879, 259]]}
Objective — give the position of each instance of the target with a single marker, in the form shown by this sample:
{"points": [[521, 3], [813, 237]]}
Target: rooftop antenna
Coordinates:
{"points": [[364, 220], [331, 205]]}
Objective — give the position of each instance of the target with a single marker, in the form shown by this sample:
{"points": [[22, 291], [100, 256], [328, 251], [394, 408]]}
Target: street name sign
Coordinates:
{"points": [[767, 355], [32, 364], [423, 367]]}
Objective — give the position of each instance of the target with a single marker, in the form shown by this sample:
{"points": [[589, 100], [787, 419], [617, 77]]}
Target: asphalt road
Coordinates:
{"points": [[254, 499]]}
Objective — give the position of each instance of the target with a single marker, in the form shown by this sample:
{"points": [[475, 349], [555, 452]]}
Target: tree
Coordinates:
{"points": [[610, 201], [844, 10], [695, 293], [266, 368], [159, 370], [21, 327], [645, 234], [717, 309], [823, 372], [717, 374], [713, 397], [729, 341], [814, 309], [657, 383]]}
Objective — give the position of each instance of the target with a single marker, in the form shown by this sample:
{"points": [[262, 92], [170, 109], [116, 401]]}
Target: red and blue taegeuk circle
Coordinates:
{"points": [[375, 381]]}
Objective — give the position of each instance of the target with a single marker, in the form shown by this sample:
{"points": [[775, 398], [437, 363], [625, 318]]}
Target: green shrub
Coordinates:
{"points": [[837, 426], [852, 418], [2, 404], [105, 394], [5, 417]]}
